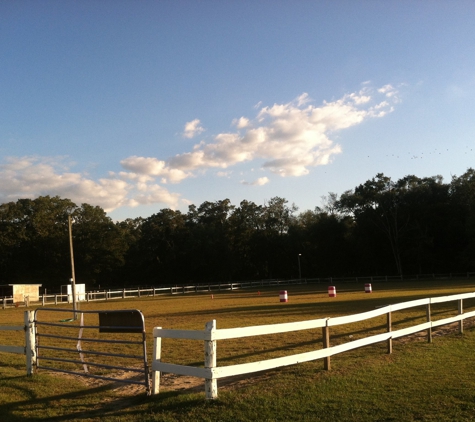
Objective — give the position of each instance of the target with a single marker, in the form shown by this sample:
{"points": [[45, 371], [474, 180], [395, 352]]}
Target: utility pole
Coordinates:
{"points": [[73, 277]]}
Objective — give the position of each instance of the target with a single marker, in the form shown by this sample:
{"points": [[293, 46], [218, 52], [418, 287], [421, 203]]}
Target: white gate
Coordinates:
{"points": [[108, 345]]}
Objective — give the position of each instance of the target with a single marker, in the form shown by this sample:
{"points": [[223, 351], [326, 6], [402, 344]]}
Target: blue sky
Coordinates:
{"points": [[137, 106]]}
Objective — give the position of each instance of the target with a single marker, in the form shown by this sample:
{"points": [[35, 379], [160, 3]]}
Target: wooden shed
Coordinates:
{"points": [[20, 291]]}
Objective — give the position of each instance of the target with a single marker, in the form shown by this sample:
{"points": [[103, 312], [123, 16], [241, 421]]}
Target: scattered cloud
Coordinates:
{"points": [[303, 99], [289, 138], [154, 167], [241, 123], [284, 139], [388, 90], [193, 129], [258, 182], [30, 177]]}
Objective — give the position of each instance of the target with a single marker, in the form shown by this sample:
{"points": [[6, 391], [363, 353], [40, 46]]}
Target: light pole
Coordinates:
{"points": [[300, 272]]}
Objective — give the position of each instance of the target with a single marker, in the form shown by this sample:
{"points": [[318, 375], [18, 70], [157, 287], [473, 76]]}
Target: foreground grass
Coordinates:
{"points": [[419, 381]]}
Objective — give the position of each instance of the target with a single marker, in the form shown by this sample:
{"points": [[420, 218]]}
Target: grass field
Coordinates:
{"points": [[419, 381]]}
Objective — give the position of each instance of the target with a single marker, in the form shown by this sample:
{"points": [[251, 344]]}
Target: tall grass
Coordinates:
{"points": [[419, 381]]}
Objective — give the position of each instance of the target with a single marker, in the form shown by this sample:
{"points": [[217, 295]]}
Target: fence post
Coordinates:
{"points": [[30, 342], [4, 303], [157, 356], [389, 328], [429, 330], [326, 345], [460, 309], [43, 299], [211, 384]]}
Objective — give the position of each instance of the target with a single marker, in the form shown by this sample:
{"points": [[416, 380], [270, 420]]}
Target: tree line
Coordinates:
{"points": [[381, 227]]}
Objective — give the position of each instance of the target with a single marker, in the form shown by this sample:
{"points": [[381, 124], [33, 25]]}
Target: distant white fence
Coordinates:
{"points": [[125, 293], [29, 350], [211, 372]]}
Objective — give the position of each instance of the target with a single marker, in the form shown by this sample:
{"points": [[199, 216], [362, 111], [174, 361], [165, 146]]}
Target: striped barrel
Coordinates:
{"points": [[331, 291], [367, 288], [283, 296]]}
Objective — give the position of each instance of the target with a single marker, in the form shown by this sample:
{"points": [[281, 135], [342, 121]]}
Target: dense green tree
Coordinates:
{"points": [[424, 206], [99, 247], [324, 240], [160, 249], [247, 225], [375, 205], [34, 240], [414, 216], [276, 253], [412, 225], [462, 195], [131, 232], [208, 245]]}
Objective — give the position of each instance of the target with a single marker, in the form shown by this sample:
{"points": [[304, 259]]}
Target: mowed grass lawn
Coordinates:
{"points": [[419, 381]]}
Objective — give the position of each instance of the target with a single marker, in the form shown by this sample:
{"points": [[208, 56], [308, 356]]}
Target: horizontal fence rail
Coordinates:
{"points": [[71, 344], [211, 372], [125, 293]]}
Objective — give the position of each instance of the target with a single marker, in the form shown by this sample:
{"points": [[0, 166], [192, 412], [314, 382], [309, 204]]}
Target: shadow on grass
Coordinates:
{"points": [[331, 308], [86, 404]]}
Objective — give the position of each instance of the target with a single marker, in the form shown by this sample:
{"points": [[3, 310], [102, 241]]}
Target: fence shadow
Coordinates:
{"points": [[88, 403]]}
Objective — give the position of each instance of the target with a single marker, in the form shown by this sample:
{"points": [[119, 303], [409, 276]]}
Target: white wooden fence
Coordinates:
{"points": [[211, 372], [131, 292], [125, 293], [29, 350]]}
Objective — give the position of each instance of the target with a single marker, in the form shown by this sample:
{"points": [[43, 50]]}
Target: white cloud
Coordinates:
{"points": [[303, 99], [154, 167], [241, 123], [30, 177], [156, 194], [290, 138], [258, 182], [285, 139], [192, 129], [388, 90]]}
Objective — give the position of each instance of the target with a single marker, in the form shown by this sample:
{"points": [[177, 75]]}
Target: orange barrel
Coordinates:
{"points": [[367, 288], [331, 291], [283, 296]]}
